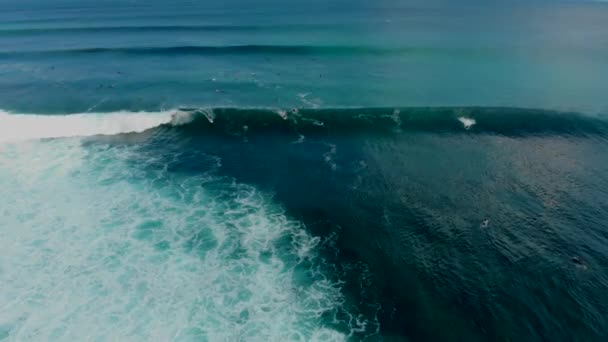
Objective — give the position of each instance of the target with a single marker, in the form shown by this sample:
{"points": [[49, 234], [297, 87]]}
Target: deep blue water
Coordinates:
{"points": [[303, 171]]}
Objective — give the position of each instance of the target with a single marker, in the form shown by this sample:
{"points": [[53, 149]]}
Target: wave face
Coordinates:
{"points": [[305, 224], [472, 222], [471, 120]]}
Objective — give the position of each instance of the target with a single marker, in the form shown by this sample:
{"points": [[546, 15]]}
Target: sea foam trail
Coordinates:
{"points": [[20, 127]]}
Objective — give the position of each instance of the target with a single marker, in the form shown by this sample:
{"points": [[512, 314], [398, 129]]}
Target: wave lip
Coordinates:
{"points": [[442, 120], [20, 127], [503, 121]]}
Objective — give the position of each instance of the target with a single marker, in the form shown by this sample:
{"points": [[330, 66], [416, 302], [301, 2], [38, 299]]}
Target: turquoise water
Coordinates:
{"points": [[69, 57], [289, 171]]}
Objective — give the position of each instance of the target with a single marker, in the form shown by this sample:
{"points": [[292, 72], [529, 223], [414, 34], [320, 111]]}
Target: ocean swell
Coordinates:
{"points": [[241, 121]]}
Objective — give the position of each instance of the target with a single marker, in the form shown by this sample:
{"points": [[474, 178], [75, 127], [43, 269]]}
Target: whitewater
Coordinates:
{"points": [[20, 127], [98, 243]]}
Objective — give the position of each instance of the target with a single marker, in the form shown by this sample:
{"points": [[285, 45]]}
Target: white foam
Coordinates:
{"points": [[20, 127], [93, 248], [312, 103], [467, 122], [282, 114], [181, 118], [300, 139], [314, 121], [330, 156]]}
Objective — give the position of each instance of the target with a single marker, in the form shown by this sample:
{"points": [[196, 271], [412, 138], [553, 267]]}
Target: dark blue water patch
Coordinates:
{"points": [[478, 234]]}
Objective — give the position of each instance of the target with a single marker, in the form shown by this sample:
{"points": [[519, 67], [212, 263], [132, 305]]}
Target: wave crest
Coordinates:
{"points": [[502, 121], [19, 127]]}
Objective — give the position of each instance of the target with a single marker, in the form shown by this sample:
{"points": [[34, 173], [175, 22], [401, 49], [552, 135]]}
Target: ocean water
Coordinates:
{"points": [[303, 171]]}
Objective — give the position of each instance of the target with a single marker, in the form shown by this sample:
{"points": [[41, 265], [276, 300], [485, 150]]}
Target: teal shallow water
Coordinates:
{"points": [[320, 171]]}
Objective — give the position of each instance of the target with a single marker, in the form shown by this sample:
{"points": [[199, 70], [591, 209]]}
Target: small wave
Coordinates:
{"points": [[296, 50], [312, 103], [330, 156], [19, 127], [158, 28], [300, 139]]}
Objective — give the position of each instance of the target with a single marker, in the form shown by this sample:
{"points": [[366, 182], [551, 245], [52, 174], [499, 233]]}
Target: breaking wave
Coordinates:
{"points": [[96, 247], [502, 121], [19, 127]]}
